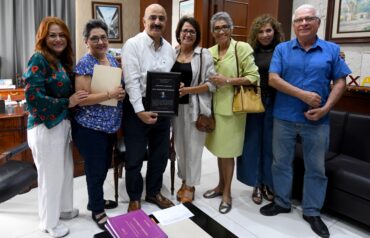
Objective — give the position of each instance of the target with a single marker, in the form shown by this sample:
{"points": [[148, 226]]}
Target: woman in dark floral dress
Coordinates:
{"points": [[49, 94]]}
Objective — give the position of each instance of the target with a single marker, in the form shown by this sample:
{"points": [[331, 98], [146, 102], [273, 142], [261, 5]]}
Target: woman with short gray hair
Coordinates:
{"points": [[226, 141]]}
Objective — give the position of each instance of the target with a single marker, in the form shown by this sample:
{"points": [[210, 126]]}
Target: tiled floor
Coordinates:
{"points": [[18, 216]]}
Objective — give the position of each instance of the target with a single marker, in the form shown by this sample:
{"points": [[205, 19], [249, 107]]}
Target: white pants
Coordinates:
{"points": [[189, 142], [52, 154]]}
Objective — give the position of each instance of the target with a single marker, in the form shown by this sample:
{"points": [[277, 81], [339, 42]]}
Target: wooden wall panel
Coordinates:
{"points": [[280, 9], [167, 5], [242, 12], [238, 11]]}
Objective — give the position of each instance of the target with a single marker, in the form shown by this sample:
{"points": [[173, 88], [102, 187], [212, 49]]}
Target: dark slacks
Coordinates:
{"points": [[140, 137], [96, 149]]}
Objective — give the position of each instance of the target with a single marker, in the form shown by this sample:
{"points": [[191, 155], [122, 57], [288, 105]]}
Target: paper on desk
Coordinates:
{"points": [[182, 228], [173, 214], [106, 78]]}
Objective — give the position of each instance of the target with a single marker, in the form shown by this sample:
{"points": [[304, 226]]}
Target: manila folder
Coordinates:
{"points": [[106, 78]]}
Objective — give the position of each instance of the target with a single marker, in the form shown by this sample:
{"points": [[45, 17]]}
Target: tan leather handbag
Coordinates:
{"points": [[247, 99]]}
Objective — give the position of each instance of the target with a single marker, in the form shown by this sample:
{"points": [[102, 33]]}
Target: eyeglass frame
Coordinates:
{"points": [[190, 32], [307, 19], [95, 39], [224, 28]]}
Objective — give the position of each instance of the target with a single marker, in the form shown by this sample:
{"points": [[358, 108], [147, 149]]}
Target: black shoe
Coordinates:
{"points": [[108, 204], [317, 225], [273, 209]]}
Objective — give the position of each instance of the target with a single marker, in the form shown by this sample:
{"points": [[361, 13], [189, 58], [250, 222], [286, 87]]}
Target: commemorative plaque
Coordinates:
{"points": [[162, 93]]}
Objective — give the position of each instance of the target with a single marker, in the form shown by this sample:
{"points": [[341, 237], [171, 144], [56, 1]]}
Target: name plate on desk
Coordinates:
{"points": [[162, 93]]}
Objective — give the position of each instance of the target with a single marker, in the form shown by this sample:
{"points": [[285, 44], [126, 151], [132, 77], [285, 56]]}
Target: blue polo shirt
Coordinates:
{"points": [[310, 70]]}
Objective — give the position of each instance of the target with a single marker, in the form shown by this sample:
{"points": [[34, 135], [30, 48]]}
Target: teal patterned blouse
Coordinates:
{"points": [[47, 92]]}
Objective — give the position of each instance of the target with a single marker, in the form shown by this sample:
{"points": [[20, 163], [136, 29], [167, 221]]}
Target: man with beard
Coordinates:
{"points": [[144, 130]]}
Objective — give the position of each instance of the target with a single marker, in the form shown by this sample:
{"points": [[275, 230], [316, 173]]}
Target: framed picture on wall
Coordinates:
{"points": [[186, 8], [348, 21], [111, 14]]}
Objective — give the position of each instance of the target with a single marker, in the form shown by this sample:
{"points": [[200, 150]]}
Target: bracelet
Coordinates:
{"points": [[108, 94]]}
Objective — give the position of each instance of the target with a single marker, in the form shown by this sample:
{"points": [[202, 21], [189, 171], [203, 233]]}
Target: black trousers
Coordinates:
{"points": [[140, 137], [96, 149]]}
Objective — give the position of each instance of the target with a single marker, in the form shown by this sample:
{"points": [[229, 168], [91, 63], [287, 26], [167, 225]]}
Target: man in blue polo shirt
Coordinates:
{"points": [[301, 70]]}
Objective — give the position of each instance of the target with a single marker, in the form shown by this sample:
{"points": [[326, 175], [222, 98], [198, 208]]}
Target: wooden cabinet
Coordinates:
{"points": [[355, 100]]}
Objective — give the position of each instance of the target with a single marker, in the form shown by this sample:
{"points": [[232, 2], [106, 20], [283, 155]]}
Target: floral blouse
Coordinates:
{"points": [[47, 92], [97, 117]]}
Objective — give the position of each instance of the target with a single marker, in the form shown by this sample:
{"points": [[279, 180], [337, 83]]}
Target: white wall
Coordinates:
{"points": [[355, 53]]}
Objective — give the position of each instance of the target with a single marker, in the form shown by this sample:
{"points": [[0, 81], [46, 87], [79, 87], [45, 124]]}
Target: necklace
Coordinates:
{"points": [[185, 57]]}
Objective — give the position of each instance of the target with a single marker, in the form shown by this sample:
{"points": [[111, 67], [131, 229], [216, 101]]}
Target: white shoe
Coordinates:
{"points": [[59, 231], [69, 215]]}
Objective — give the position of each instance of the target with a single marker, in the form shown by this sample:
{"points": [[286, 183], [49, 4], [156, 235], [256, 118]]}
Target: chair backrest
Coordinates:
{"points": [[356, 138], [15, 176], [337, 124]]}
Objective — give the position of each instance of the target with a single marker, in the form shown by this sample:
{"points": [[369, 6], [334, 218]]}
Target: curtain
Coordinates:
{"points": [[19, 21]]}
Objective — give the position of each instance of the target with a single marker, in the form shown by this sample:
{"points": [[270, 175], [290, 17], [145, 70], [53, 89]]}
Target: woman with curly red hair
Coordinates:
{"points": [[49, 94]]}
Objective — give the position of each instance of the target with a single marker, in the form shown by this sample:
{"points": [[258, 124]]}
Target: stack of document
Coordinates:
{"points": [[134, 224]]}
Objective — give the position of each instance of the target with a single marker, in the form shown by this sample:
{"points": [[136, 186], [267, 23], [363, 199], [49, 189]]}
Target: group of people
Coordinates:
{"points": [[294, 77]]}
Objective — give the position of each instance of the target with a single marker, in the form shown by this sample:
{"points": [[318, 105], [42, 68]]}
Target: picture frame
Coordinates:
{"points": [[111, 14], [186, 8], [347, 23]]}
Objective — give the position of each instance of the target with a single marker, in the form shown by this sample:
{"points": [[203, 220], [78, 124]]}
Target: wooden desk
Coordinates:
{"points": [[13, 131], [15, 94]]}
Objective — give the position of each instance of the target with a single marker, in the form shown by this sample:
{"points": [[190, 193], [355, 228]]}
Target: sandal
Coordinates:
{"points": [[212, 194], [267, 193], [257, 195], [224, 207], [100, 220], [180, 192], [187, 195]]}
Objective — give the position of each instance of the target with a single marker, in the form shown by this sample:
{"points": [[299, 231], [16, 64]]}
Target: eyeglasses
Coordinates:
{"points": [[190, 32], [95, 39], [224, 28], [54, 36], [306, 19], [154, 17]]}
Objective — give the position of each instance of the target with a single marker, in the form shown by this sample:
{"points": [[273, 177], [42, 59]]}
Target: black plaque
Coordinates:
{"points": [[162, 92]]}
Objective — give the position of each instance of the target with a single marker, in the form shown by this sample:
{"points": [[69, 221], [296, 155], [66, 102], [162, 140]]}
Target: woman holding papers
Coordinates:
{"points": [[96, 121], [196, 66], [49, 94]]}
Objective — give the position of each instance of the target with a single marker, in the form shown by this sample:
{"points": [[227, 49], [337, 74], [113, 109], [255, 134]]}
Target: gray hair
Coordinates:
{"points": [[221, 16], [307, 6]]}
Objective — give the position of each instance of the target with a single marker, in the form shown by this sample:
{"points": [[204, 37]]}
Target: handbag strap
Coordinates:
{"points": [[237, 58], [200, 68], [200, 76]]}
